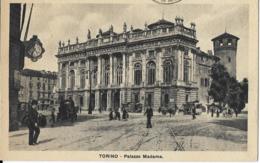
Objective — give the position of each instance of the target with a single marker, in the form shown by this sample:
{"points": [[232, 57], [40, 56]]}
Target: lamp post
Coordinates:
{"points": [[90, 86]]}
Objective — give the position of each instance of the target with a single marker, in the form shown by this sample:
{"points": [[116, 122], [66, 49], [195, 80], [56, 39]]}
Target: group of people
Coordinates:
{"points": [[115, 114]]}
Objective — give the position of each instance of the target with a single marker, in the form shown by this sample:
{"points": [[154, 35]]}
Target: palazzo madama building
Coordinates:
{"points": [[157, 65]]}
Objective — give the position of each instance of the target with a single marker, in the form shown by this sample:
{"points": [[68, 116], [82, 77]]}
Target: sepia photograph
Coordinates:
{"points": [[150, 76]]}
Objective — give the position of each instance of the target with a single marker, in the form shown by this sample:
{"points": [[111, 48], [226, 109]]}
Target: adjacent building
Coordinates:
{"points": [[158, 65], [37, 85]]}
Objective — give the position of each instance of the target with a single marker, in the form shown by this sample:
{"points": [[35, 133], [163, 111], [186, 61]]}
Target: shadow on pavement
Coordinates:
{"points": [[80, 118], [19, 135], [240, 124], [46, 140]]}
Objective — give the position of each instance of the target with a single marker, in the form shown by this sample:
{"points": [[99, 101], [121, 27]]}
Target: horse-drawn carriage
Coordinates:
{"points": [[67, 111], [188, 106]]}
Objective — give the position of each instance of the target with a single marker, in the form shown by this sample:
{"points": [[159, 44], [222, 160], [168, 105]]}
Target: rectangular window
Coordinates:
{"points": [[206, 82], [201, 82], [151, 54]]}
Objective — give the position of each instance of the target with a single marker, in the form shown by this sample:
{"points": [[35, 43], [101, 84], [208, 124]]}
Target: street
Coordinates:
{"points": [[96, 133]]}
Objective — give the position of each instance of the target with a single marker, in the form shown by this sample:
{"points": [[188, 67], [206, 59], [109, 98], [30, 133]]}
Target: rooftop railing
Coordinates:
{"points": [[131, 37]]}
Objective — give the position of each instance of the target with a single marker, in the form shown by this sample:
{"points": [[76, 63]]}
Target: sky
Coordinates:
{"points": [[60, 22]]}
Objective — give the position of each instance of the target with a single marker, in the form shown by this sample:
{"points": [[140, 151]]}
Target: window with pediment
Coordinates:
{"points": [[151, 54], [119, 73], [82, 79], [63, 80], [72, 64], [151, 72], [168, 51], [106, 71], [119, 70], [137, 55], [167, 71], [186, 71], [82, 63], [72, 79], [137, 74]]}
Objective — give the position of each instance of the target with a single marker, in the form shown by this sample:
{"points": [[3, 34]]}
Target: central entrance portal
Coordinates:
{"points": [[104, 101], [116, 99]]}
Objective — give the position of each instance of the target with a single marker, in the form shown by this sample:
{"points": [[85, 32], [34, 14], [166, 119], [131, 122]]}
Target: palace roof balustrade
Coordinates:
{"points": [[128, 37]]}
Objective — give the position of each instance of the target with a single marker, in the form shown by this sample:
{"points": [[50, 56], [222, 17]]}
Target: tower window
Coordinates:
{"points": [[229, 59], [229, 42]]}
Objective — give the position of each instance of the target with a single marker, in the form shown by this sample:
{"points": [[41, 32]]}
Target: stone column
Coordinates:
{"points": [[99, 71], [122, 97], [77, 76], [180, 65], [111, 70], [159, 72], [144, 68], [67, 76], [59, 76], [97, 100], [157, 98], [87, 74], [114, 70], [124, 69], [109, 99], [131, 71], [86, 98], [191, 67]]}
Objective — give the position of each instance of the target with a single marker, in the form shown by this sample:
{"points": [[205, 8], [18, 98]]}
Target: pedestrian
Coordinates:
{"points": [[212, 110], [125, 114], [149, 114], [170, 110], [52, 109], [80, 108], [33, 126], [218, 111], [118, 116], [111, 115], [193, 112]]}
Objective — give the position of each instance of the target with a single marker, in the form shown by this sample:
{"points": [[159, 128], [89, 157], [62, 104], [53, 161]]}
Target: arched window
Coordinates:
{"points": [[186, 70], [119, 73], [72, 79], [82, 79], [150, 69], [63, 80], [167, 71], [137, 73]]}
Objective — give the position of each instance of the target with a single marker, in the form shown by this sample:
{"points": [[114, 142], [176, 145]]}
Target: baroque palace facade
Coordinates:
{"points": [[158, 66]]}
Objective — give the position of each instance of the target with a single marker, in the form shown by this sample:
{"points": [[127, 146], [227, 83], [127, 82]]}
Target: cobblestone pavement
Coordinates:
{"points": [[96, 133]]}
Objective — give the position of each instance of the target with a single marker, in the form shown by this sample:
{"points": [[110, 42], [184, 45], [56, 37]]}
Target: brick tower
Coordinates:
{"points": [[225, 47]]}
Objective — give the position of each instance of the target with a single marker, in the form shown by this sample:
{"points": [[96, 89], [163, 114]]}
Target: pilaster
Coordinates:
{"points": [[97, 100], [144, 67], [131, 71], [124, 69], [111, 69], [109, 100]]}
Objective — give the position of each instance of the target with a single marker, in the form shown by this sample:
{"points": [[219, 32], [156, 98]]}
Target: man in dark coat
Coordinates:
{"points": [[149, 114], [193, 111], [33, 126], [71, 109]]}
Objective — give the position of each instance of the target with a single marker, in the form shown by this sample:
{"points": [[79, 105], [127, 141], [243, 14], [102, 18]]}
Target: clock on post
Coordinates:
{"points": [[34, 48]]}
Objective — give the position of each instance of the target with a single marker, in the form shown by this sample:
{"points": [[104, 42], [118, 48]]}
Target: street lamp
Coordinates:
{"points": [[90, 85]]}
